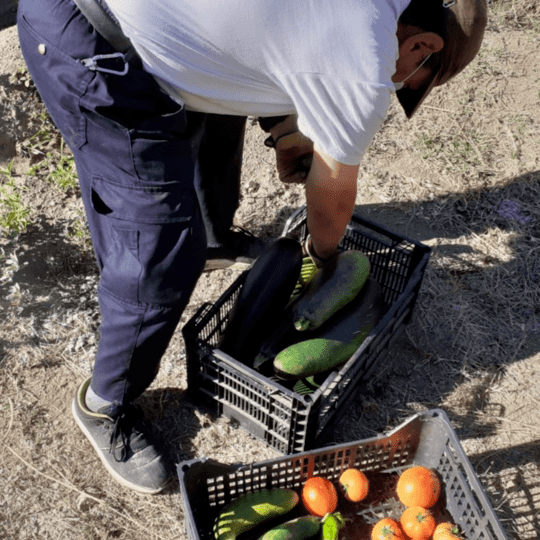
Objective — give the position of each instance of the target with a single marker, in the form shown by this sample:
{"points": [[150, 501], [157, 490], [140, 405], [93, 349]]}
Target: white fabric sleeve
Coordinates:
{"points": [[340, 116]]}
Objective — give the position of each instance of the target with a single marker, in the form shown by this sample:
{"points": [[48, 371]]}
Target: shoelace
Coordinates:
{"points": [[121, 430], [237, 228]]}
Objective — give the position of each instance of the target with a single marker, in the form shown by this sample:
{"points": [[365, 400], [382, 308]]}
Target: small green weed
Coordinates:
{"points": [[454, 152], [65, 175], [427, 145], [44, 135], [521, 123], [61, 173], [8, 171], [13, 214], [80, 231]]}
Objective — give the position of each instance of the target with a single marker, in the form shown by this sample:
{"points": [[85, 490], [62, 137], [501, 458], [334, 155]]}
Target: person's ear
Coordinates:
{"points": [[420, 45]]}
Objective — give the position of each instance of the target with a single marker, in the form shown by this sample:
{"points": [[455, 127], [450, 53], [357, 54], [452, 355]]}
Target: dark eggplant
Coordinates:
{"points": [[262, 299], [284, 334]]}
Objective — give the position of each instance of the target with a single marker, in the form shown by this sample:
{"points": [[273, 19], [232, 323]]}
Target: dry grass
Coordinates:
{"points": [[462, 176]]}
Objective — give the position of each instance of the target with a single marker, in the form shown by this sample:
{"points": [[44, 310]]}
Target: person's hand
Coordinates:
{"points": [[294, 151], [294, 154]]}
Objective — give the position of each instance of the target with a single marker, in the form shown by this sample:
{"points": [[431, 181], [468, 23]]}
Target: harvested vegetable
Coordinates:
{"points": [[418, 486], [354, 484], [332, 523], [417, 523], [252, 509], [387, 529], [295, 529], [337, 340], [264, 295], [319, 496], [446, 531], [281, 337], [333, 287]]}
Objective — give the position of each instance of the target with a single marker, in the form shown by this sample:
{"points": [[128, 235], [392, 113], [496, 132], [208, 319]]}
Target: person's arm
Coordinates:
{"points": [[330, 185], [330, 198]]}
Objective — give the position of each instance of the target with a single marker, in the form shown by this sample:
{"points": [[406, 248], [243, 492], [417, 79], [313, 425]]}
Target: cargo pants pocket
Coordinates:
{"points": [[153, 244]]}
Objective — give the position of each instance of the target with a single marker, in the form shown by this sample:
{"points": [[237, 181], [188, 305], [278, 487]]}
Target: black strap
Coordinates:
{"points": [[272, 143], [107, 26], [268, 122]]}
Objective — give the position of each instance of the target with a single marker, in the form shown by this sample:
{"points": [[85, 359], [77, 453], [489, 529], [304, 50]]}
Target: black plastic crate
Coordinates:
{"points": [[282, 415], [426, 439]]}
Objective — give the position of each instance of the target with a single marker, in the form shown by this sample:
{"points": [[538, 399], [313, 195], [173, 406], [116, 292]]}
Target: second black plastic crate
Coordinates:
{"points": [[283, 416]]}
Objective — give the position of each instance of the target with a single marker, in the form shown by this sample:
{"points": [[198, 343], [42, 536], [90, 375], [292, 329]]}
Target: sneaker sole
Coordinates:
{"points": [[110, 470], [223, 265]]}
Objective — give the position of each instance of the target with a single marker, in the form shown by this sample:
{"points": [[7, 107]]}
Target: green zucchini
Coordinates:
{"points": [[252, 509], [263, 297], [296, 529], [334, 286], [336, 340]]}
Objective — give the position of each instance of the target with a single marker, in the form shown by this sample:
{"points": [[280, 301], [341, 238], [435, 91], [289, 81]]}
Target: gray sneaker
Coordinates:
{"points": [[239, 250], [124, 445]]}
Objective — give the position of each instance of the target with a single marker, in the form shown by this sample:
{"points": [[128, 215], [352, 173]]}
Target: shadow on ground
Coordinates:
{"points": [[507, 473], [421, 367], [8, 13], [48, 265]]}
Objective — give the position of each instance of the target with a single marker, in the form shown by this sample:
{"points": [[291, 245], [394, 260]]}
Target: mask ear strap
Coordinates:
{"points": [[399, 85], [419, 66]]}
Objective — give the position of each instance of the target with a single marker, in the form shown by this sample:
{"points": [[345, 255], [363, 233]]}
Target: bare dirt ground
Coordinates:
{"points": [[462, 176]]}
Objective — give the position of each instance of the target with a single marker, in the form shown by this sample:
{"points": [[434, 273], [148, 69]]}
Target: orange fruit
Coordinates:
{"points": [[418, 486], [446, 531], [387, 529], [319, 496], [417, 523], [354, 484]]}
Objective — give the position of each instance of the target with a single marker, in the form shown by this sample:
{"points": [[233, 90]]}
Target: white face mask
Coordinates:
{"points": [[400, 85]]}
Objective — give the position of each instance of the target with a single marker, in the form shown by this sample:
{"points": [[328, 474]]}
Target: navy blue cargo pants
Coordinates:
{"points": [[139, 157]]}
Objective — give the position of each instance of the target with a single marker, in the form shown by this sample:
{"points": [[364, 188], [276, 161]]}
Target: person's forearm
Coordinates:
{"points": [[330, 198]]}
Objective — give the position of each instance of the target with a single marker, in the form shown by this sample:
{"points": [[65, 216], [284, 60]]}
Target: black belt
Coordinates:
{"points": [[101, 18]]}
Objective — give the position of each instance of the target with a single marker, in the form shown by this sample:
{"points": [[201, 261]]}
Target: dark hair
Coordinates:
{"points": [[426, 14], [429, 16]]}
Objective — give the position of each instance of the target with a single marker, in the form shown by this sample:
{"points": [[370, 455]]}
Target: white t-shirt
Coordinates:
{"points": [[329, 61]]}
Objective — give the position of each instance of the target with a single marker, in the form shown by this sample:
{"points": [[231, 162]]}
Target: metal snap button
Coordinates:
{"points": [[42, 48]]}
